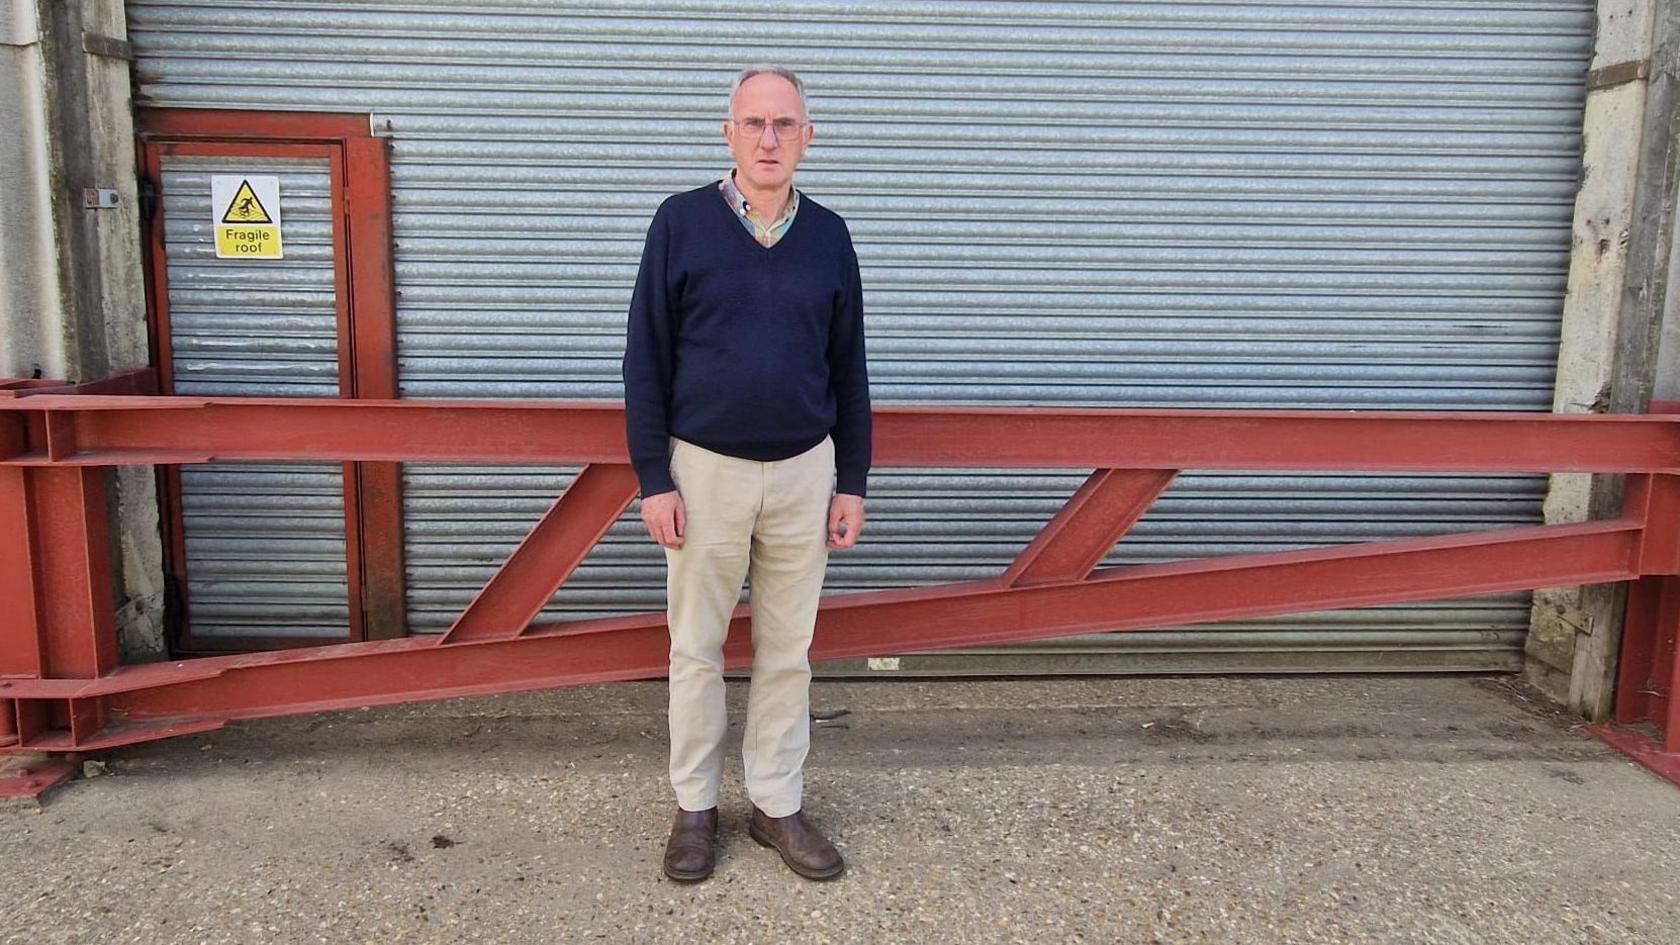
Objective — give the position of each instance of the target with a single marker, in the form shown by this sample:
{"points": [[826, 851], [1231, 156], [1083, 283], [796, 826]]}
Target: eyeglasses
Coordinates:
{"points": [[784, 128]]}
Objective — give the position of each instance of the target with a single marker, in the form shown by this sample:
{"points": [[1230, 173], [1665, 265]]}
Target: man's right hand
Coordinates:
{"points": [[665, 518]]}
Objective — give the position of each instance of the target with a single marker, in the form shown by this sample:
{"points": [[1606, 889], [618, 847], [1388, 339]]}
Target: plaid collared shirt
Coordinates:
{"points": [[766, 235]]}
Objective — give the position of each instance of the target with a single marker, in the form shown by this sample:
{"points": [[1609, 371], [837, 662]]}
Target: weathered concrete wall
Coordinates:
{"points": [[72, 299], [110, 299], [31, 341], [1613, 315], [1664, 209]]}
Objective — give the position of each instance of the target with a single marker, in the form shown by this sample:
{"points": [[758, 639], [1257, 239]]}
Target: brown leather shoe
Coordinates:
{"points": [[802, 846], [691, 851]]}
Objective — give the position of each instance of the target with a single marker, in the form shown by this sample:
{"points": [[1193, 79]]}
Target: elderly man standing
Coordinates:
{"points": [[747, 399]]}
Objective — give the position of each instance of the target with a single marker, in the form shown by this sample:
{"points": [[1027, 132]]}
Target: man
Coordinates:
{"points": [[747, 398]]}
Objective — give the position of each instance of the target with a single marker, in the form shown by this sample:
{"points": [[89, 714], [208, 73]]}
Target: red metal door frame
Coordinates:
{"points": [[59, 689], [360, 173]]}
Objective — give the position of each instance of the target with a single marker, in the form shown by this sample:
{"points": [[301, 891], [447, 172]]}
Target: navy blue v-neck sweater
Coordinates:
{"points": [[745, 350]]}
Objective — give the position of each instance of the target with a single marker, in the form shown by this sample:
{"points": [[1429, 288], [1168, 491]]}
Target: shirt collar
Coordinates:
{"points": [[738, 200]]}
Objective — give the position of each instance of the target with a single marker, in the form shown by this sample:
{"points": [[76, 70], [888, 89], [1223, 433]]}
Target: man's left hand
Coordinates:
{"points": [[845, 520]]}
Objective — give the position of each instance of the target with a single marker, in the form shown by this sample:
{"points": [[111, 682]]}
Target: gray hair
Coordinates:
{"points": [[782, 71]]}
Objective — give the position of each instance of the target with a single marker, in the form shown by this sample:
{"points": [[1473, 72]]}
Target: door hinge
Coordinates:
{"points": [[148, 199]]}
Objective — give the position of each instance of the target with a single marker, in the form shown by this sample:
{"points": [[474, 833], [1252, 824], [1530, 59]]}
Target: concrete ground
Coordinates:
{"points": [[1429, 809]]}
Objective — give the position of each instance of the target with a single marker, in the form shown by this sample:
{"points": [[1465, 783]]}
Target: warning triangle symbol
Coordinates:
{"points": [[245, 207]]}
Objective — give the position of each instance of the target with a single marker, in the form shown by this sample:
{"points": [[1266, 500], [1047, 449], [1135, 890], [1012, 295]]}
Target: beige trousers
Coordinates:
{"points": [[768, 522]]}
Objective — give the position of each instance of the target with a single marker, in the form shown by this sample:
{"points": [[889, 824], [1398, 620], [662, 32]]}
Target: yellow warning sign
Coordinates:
{"points": [[245, 210], [245, 207], [248, 242]]}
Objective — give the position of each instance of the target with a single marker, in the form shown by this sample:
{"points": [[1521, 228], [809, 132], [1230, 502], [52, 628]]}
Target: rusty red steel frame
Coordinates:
{"points": [[63, 691]]}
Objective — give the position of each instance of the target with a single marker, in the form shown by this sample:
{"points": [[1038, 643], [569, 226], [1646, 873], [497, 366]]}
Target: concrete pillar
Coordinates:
{"points": [[1613, 317], [72, 289], [31, 343]]}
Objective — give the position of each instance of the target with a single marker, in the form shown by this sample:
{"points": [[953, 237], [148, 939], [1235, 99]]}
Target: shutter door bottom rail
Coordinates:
{"points": [[62, 690]]}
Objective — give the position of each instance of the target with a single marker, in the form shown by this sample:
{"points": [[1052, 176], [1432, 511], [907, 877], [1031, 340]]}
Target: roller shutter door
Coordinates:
{"points": [[1188, 204]]}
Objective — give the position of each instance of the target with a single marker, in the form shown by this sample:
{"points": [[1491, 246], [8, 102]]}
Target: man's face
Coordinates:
{"points": [[764, 160]]}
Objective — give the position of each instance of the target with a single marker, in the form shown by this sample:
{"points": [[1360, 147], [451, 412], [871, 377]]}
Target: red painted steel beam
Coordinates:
{"points": [[21, 653], [16, 386], [77, 616], [138, 430], [55, 582], [1650, 609], [552, 550], [55, 574], [1656, 499], [77, 607], [1648, 671], [1648, 752], [34, 777], [14, 434], [1671, 715], [134, 381], [1661, 698], [154, 700], [1075, 541]]}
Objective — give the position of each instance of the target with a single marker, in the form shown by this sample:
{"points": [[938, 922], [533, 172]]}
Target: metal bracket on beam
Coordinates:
{"points": [[1619, 74], [96, 45], [61, 435], [34, 775], [1655, 498]]}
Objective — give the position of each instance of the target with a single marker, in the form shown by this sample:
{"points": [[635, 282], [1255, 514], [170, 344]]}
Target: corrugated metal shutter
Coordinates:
{"points": [[1247, 204], [265, 542]]}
